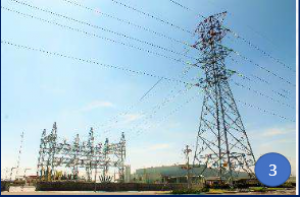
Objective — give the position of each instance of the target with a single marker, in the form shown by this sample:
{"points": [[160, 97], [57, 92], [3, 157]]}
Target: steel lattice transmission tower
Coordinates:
{"points": [[222, 142]]}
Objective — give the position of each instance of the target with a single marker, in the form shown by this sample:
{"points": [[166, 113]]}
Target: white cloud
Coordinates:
{"points": [[96, 105], [276, 139], [128, 118], [270, 145], [272, 132]]}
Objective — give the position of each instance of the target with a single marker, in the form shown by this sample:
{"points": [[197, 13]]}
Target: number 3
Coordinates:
{"points": [[273, 170]]}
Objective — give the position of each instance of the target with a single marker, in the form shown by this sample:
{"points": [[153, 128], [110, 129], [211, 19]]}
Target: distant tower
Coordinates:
{"points": [[51, 159], [41, 159], [106, 159], [46, 159], [222, 142], [122, 156], [6, 174], [187, 152], [19, 155], [90, 154], [76, 157]]}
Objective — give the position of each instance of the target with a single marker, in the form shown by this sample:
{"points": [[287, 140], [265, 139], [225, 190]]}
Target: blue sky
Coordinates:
{"points": [[38, 89]]}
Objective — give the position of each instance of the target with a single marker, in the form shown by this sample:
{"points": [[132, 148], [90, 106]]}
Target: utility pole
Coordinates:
{"points": [[187, 151], [76, 151], [96, 156], [106, 150], [41, 158], [25, 170], [122, 152], [19, 155], [11, 172], [90, 154], [6, 174]]}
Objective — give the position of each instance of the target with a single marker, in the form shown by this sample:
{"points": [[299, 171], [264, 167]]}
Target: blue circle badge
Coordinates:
{"points": [[272, 169]]}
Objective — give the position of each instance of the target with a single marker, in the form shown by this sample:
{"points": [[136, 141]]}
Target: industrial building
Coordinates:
{"points": [[177, 174]]}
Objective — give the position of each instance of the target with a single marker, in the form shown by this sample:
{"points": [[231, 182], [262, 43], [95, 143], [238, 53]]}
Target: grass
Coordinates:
{"points": [[258, 189], [275, 189]]}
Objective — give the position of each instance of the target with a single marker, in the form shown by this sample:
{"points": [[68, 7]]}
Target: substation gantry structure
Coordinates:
{"points": [[57, 155]]}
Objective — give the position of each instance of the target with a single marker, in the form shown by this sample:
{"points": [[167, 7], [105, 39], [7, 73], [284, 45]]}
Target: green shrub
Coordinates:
{"points": [[258, 189], [287, 185], [189, 191], [205, 189]]}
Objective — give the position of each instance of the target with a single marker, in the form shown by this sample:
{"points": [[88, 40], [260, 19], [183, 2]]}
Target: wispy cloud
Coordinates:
{"points": [[270, 145], [273, 132], [128, 118], [281, 139], [96, 105]]}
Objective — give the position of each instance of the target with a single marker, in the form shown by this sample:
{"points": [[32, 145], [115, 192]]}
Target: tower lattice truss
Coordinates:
{"points": [[222, 142], [56, 155]]}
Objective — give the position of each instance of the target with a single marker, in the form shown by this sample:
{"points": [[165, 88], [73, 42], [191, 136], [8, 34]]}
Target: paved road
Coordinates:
{"points": [[31, 191], [78, 193]]}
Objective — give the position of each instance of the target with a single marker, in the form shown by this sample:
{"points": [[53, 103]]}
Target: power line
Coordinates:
{"points": [[156, 108], [252, 62], [95, 62], [257, 65], [142, 98], [253, 29], [164, 36], [190, 85], [262, 94], [115, 119], [256, 78], [152, 16], [93, 35], [236, 35], [182, 6], [150, 89], [126, 22], [73, 19], [186, 8], [260, 50], [263, 110], [167, 116], [166, 100], [101, 28], [252, 77], [221, 133], [1, 41], [264, 68]]}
